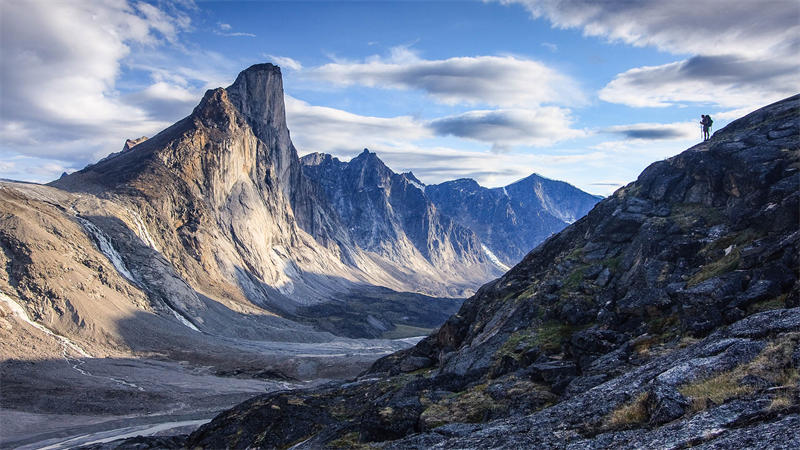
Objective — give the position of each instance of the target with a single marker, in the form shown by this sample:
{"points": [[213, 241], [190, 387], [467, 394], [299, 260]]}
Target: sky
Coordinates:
{"points": [[577, 90]]}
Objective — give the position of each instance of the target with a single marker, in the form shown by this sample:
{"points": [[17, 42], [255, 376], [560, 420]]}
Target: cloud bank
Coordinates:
{"points": [[504, 81], [745, 52]]}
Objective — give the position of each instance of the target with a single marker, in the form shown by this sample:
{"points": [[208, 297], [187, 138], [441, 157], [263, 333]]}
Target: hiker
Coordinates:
{"points": [[705, 121]]}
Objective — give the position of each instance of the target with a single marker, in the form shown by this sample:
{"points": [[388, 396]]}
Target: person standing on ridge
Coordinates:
{"points": [[705, 121]]}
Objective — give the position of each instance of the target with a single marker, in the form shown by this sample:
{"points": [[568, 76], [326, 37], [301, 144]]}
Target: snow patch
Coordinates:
{"points": [[493, 258], [506, 192], [106, 248], [20, 312], [141, 229], [182, 319], [416, 184]]}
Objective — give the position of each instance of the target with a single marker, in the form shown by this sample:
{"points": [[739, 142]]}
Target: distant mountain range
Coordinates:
{"points": [[514, 219], [384, 209]]}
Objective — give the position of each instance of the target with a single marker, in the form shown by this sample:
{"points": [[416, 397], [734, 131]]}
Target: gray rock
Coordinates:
{"points": [[665, 404]]}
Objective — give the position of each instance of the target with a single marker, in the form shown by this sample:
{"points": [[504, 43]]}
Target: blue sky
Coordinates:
{"points": [[586, 92]]}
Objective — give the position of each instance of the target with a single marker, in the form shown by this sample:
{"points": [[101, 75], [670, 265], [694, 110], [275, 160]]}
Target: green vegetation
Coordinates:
{"points": [[470, 406], [403, 331], [573, 280], [686, 214], [738, 239], [629, 414], [773, 364], [766, 305], [349, 440], [516, 344], [574, 255], [550, 335], [716, 268], [612, 263]]}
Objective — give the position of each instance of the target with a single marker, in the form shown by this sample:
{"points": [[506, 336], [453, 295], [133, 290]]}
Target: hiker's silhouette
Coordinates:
{"points": [[705, 121]]}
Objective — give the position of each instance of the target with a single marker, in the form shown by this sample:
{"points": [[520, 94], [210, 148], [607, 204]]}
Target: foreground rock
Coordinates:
{"points": [[667, 317]]}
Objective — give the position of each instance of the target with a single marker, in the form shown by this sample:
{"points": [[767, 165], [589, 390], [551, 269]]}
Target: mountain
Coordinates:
{"points": [[389, 214], [207, 234], [667, 317], [513, 219]]}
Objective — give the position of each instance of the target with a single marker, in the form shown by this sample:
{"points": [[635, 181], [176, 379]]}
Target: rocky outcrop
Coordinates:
{"points": [[512, 219], [667, 317]]}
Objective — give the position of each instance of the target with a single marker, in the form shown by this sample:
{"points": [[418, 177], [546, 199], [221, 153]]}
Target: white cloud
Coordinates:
{"points": [[225, 29], [656, 131], [550, 46], [323, 129], [745, 52], [724, 81], [284, 62], [712, 27], [63, 60], [505, 129], [505, 81]]}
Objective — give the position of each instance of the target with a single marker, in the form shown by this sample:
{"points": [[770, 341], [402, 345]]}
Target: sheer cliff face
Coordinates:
{"points": [[513, 219], [389, 214]]}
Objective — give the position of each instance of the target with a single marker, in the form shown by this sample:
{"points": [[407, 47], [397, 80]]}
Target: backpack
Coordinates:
{"points": [[709, 121]]}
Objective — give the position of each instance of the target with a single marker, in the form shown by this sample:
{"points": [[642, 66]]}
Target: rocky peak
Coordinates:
{"points": [[130, 143], [410, 177], [318, 159], [463, 184], [258, 94]]}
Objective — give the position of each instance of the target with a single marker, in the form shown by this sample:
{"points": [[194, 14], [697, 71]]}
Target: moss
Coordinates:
{"points": [[660, 325], [349, 440], [471, 406], [574, 278], [766, 305], [686, 214], [629, 414], [574, 255], [716, 268], [612, 263], [296, 401], [527, 293], [737, 239], [516, 344], [550, 335], [386, 413]]}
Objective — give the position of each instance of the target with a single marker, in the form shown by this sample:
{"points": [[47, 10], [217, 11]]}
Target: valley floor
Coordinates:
{"points": [[62, 403]]}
